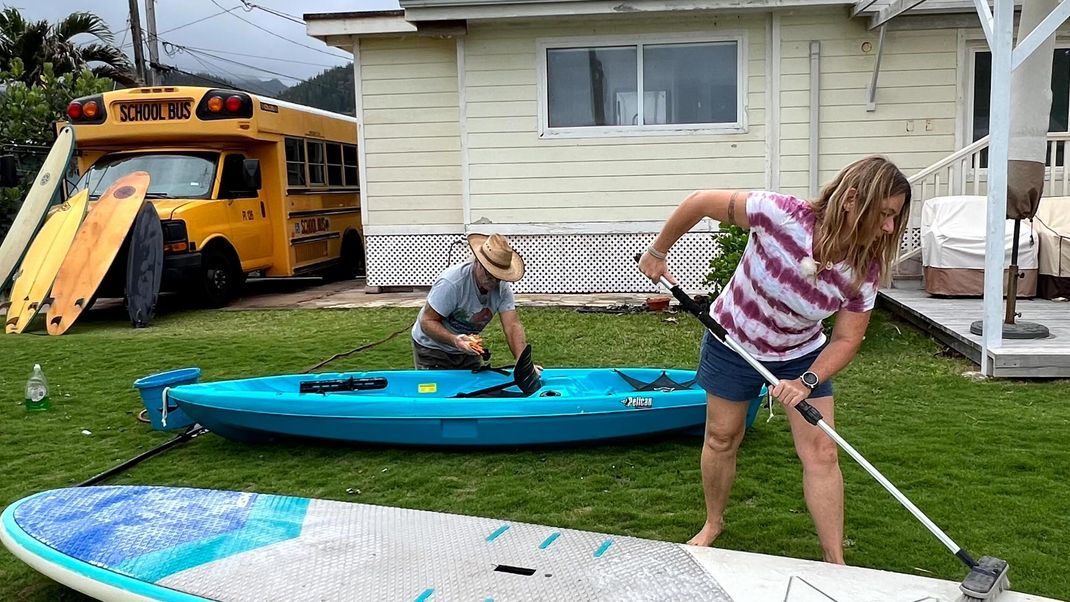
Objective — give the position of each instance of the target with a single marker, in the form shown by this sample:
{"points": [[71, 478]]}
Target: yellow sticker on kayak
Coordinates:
{"points": [[428, 387]]}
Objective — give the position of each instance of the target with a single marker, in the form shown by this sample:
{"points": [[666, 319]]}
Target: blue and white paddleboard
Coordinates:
{"points": [[163, 543]]}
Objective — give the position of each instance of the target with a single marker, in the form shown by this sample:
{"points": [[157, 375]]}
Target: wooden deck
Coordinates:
{"points": [[949, 319]]}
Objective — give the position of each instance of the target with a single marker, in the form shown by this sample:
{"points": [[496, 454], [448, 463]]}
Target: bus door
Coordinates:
{"points": [[250, 225]]}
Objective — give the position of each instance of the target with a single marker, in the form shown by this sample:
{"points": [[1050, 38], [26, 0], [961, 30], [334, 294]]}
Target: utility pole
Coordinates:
{"points": [[135, 33], [152, 76]]}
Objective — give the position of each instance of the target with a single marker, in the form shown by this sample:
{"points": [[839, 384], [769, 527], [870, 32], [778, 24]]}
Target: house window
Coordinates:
{"points": [[295, 162], [1060, 101], [652, 85]]}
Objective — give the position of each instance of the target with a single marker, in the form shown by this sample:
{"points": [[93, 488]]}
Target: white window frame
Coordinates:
{"points": [[973, 46], [739, 126]]}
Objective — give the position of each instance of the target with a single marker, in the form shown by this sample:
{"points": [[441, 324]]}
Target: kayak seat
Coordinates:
{"points": [[524, 378], [662, 383]]}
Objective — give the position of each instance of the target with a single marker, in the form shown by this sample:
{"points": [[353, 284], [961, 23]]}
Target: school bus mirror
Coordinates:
{"points": [[250, 173], [8, 174]]}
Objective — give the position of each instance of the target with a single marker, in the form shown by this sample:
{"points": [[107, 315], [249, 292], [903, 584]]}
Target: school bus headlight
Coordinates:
{"points": [[175, 239], [215, 104], [91, 109]]}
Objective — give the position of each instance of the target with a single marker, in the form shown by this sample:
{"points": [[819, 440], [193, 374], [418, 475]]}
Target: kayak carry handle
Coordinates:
{"points": [[342, 384]]}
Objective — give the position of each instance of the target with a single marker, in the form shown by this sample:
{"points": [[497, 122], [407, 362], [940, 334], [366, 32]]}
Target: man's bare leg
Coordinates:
{"points": [[822, 480], [724, 431]]}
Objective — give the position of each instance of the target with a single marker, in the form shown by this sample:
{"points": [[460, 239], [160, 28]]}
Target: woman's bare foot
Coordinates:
{"points": [[706, 536]]}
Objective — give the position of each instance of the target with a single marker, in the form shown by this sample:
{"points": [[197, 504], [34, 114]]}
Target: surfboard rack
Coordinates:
{"points": [[343, 384]]}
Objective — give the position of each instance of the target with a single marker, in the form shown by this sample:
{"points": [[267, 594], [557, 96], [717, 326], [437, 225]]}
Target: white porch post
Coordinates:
{"points": [[999, 130]]}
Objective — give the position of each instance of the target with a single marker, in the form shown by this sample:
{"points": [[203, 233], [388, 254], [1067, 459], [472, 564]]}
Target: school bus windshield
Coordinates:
{"points": [[177, 175]]}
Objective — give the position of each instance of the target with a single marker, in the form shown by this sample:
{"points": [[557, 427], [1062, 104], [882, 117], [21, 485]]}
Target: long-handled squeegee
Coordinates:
{"points": [[988, 576]]}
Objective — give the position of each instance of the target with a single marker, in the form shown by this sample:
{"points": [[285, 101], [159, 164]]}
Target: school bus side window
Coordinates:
{"points": [[316, 164], [334, 165], [295, 162], [349, 160]]}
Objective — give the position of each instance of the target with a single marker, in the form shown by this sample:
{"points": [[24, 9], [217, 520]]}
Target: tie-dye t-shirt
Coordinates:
{"points": [[771, 306], [456, 297]]}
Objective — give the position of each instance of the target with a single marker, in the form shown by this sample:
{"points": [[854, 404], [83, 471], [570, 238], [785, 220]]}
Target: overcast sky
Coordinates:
{"points": [[260, 41]]}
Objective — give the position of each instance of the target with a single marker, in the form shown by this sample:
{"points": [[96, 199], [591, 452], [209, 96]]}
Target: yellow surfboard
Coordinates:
{"points": [[39, 267], [32, 212], [94, 248]]}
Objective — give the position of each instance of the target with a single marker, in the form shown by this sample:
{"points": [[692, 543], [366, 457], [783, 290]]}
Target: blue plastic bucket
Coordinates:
{"points": [[152, 389]]}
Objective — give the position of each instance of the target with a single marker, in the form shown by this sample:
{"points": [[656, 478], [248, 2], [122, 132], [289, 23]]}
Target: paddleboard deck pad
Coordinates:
{"points": [[162, 543]]}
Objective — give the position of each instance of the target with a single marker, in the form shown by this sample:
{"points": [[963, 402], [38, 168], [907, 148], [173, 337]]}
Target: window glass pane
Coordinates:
{"points": [[349, 154], [295, 149], [334, 175], [315, 152], [295, 174], [982, 92], [334, 154], [585, 86], [689, 83], [351, 176], [316, 175]]}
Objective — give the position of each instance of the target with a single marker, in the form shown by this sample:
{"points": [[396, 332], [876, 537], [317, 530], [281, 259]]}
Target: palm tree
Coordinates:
{"points": [[38, 42]]}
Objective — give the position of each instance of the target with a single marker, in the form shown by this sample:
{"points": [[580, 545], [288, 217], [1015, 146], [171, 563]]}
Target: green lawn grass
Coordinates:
{"points": [[987, 461]]}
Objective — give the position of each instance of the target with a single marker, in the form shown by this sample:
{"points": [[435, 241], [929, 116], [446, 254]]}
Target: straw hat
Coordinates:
{"points": [[497, 256]]}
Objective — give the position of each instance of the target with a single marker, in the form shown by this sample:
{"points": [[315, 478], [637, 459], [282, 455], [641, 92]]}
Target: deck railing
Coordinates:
{"points": [[966, 173]]}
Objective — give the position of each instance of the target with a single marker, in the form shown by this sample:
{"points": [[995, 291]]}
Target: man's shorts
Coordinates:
{"points": [[723, 373], [425, 358]]}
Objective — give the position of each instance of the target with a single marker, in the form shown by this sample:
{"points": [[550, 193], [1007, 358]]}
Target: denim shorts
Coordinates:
{"points": [[723, 373]]}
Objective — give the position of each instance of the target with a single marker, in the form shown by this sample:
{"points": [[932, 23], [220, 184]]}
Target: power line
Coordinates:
{"points": [[222, 12], [277, 35], [283, 75], [277, 13], [228, 85], [255, 56]]}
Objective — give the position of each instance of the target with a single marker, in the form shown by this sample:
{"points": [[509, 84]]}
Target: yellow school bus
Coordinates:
{"points": [[243, 184]]}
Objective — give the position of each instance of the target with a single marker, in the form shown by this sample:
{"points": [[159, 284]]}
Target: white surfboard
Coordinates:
{"points": [[34, 207], [164, 543]]}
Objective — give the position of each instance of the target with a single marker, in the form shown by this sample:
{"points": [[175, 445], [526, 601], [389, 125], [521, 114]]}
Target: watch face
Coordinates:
{"points": [[809, 379]]}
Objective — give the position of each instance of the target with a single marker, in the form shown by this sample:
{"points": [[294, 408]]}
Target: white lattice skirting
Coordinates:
{"points": [[556, 263]]}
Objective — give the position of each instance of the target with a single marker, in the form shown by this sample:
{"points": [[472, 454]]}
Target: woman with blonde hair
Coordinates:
{"points": [[805, 261]]}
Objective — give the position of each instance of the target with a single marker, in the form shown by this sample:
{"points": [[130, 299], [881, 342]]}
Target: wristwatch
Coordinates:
{"points": [[810, 379]]}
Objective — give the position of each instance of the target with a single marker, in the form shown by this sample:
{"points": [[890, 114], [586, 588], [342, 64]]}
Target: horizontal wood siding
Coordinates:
{"points": [[411, 131], [914, 121], [516, 177]]}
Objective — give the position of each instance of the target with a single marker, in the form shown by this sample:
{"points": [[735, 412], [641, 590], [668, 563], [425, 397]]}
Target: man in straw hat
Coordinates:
{"points": [[463, 301]]}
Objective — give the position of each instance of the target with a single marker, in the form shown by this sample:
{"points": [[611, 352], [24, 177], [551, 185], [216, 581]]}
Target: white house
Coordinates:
{"points": [[576, 126]]}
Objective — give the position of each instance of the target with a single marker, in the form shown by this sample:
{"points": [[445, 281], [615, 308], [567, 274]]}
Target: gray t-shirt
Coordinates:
{"points": [[456, 297]]}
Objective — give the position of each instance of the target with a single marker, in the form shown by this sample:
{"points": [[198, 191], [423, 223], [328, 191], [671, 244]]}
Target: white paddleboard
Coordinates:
{"points": [[166, 543], [34, 207]]}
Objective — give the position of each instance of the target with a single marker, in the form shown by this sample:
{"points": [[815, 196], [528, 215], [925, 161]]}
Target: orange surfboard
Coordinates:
{"points": [[94, 249]]}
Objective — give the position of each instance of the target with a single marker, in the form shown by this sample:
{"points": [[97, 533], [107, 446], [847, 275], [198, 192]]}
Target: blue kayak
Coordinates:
{"points": [[450, 407]]}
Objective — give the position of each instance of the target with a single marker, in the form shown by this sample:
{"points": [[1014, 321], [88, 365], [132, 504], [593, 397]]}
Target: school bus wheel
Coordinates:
{"points": [[221, 277], [351, 259]]}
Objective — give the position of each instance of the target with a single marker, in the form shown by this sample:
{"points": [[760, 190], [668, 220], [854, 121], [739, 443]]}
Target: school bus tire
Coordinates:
{"points": [[221, 276], [351, 259]]}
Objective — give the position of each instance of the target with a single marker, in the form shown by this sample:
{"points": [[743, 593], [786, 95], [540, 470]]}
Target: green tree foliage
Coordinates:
{"points": [[731, 242], [37, 43], [27, 122], [331, 90]]}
